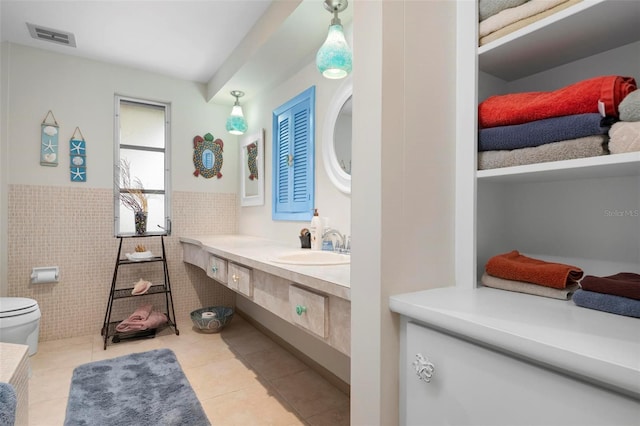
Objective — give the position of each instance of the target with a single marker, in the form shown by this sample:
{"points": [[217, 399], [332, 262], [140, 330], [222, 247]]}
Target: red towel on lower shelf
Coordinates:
{"points": [[624, 284], [578, 98], [514, 266]]}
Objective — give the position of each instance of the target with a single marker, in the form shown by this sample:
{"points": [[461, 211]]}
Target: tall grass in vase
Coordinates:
{"points": [[132, 196]]}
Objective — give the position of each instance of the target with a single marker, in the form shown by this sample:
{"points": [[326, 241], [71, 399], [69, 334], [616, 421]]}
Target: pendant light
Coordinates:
{"points": [[236, 124], [334, 57]]}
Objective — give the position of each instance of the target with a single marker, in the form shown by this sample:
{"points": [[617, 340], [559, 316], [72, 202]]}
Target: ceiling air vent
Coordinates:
{"points": [[48, 34]]}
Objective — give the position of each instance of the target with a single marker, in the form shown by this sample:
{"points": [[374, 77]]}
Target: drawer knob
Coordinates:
{"points": [[424, 368], [300, 309], [235, 278], [214, 269]]}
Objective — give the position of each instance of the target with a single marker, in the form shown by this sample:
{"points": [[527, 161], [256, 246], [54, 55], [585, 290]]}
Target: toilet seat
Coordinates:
{"points": [[16, 306]]}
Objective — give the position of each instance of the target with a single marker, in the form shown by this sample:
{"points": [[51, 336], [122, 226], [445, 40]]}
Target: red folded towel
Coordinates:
{"points": [[514, 266], [624, 284], [578, 98]]}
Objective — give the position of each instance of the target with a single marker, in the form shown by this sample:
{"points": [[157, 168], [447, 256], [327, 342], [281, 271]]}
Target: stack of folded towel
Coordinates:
{"points": [[143, 318], [537, 127], [513, 271], [616, 294], [501, 17]]}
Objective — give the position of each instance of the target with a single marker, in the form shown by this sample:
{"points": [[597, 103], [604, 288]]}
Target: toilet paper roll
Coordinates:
{"points": [[209, 315], [44, 275]]}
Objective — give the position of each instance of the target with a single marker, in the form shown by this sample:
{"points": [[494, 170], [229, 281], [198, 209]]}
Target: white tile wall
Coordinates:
{"points": [[72, 228]]}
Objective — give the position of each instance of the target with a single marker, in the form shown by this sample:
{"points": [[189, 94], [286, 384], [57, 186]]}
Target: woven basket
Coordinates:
{"points": [[222, 316]]}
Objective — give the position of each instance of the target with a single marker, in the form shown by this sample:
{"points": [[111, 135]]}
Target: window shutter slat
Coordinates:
{"points": [[294, 137]]}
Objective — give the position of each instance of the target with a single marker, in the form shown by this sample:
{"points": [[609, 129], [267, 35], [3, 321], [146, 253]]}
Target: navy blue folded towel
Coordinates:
{"points": [[540, 132], [607, 303]]}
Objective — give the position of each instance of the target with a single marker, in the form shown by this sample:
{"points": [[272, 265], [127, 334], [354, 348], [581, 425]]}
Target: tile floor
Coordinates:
{"points": [[240, 376]]}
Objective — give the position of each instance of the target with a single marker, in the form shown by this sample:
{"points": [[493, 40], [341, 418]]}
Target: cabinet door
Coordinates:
{"points": [[217, 269], [239, 279], [475, 385]]}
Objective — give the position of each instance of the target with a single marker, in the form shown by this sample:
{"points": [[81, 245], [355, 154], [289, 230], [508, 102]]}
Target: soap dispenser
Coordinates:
{"points": [[316, 231]]}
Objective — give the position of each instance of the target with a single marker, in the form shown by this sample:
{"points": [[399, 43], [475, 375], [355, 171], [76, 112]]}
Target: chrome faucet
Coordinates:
{"points": [[328, 233]]}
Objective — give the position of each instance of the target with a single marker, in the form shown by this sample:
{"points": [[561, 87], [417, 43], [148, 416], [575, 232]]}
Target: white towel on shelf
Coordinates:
{"points": [[515, 14], [624, 136], [529, 288]]}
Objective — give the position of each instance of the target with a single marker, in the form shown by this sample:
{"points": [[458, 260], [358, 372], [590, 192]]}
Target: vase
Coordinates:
{"points": [[141, 223]]}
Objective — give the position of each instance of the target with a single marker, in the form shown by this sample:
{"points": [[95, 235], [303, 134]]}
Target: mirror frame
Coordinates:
{"points": [[252, 200], [340, 178]]}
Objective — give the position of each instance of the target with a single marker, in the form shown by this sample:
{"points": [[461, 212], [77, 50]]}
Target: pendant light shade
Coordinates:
{"points": [[236, 124], [334, 57]]}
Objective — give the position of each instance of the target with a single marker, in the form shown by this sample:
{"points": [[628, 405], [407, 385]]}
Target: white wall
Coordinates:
{"points": [[80, 93], [4, 169], [330, 202], [403, 183]]}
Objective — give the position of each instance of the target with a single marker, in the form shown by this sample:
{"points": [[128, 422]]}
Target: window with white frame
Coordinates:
{"points": [[142, 142]]}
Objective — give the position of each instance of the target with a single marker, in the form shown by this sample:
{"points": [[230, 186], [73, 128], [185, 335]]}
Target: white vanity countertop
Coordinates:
{"points": [[256, 252], [593, 345]]}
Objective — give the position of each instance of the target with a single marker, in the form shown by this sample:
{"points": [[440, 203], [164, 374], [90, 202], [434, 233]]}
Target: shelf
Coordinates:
{"points": [[577, 341], [145, 235], [151, 259], [126, 292], [614, 165], [108, 326], [131, 335], [582, 30]]}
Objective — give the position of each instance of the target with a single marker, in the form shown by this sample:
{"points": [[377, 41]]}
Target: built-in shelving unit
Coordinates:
{"points": [[616, 165], [583, 212], [557, 210], [584, 29]]}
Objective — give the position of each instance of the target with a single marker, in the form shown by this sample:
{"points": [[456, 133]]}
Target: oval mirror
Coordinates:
{"points": [[336, 143]]}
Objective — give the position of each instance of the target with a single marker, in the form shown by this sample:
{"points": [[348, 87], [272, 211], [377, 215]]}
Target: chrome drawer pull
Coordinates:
{"points": [[424, 368]]}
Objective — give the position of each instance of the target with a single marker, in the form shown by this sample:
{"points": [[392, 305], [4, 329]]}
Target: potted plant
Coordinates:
{"points": [[133, 197]]}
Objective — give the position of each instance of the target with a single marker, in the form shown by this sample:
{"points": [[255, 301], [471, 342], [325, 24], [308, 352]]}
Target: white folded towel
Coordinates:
{"points": [[624, 136]]}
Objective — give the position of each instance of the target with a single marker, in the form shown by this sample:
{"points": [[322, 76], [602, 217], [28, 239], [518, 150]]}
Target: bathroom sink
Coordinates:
{"points": [[309, 257]]}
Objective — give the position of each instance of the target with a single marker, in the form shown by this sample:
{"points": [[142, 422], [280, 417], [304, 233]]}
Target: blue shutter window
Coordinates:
{"points": [[293, 158]]}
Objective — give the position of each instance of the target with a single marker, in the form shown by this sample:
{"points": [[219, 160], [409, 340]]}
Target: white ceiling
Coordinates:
{"points": [[248, 45], [180, 38]]}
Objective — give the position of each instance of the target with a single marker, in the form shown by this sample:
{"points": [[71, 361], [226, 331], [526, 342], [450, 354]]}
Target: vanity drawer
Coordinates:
{"points": [[194, 255], [239, 279], [309, 310], [217, 269]]}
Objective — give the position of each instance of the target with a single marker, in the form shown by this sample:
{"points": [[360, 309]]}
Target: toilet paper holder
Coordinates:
{"points": [[45, 274]]}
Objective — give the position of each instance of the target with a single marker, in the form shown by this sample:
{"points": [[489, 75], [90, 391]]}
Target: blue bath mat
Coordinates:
{"points": [[142, 389]]}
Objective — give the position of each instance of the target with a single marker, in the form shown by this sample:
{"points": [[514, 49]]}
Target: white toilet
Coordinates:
{"points": [[20, 322]]}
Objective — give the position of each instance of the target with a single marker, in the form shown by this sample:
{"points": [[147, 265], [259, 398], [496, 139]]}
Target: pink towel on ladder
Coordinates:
{"points": [[141, 313], [153, 319]]}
